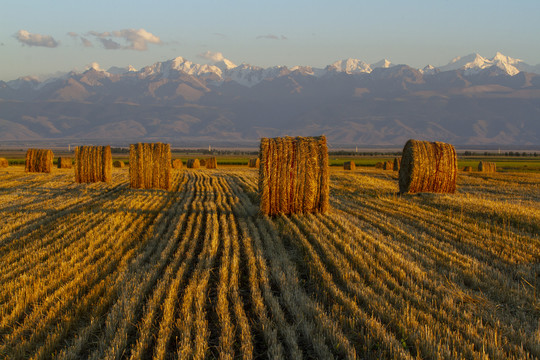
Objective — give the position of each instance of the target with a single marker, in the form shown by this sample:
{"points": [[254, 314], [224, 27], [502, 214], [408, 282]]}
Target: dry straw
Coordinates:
{"points": [[118, 164], [293, 175], [65, 163], [193, 164], [150, 166], [93, 164], [202, 162], [254, 163], [177, 164], [487, 167], [211, 163], [349, 165], [4, 163], [468, 169], [379, 165], [428, 167], [39, 160], [397, 163], [388, 165]]}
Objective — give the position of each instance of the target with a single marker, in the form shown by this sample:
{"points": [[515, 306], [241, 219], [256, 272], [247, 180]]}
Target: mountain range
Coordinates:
{"points": [[472, 100]]}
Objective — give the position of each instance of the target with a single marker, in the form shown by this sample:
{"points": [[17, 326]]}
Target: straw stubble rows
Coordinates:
{"points": [[102, 271]]}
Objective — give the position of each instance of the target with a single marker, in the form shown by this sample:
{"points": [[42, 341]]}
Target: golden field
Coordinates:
{"points": [[103, 271]]}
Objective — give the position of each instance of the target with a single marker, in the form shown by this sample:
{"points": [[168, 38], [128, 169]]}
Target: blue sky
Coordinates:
{"points": [[48, 36]]}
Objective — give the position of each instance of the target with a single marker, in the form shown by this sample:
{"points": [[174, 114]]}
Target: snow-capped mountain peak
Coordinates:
{"points": [[384, 63], [350, 66]]}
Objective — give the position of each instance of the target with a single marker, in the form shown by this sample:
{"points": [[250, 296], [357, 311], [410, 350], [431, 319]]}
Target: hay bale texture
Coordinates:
{"points": [[388, 165], [379, 165], [254, 163], [428, 167], [293, 175], [211, 163], [349, 165], [39, 160], [150, 166], [118, 164], [177, 164], [468, 169], [65, 163], [93, 164], [4, 163], [202, 162], [397, 163], [193, 164], [487, 167]]}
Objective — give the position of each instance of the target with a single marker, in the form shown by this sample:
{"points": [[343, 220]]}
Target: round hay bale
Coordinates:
{"points": [[65, 163], [211, 163], [118, 164], [349, 165], [177, 164], [4, 163], [202, 162], [397, 163], [388, 165], [39, 160], [254, 163], [428, 167], [379, 165], [487, 167], [468, 169], [193, 164], [93, 164]]}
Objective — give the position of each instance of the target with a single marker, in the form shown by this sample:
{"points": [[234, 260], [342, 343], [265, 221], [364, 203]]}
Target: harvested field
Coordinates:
{"points": [[101, 271]]}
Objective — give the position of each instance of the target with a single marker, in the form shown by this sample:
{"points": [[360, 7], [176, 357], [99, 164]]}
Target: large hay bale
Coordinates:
{"points": [[487, 167], [211, 163], [93, 164], [202, 162], [254, 163], [293, 175], [4, 162], [193, 164], [379, 165], [428, 167], [39, 160], [349, 165], [118, 164], [468, 169], [65, 162], [177, 164], [150, 166], [388, 165], [397, 163]]}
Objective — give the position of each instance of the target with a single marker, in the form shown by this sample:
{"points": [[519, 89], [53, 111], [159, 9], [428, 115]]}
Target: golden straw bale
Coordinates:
{"points": [[379, 165], [293, 175], [202, 162], [150, 166], [4, 162], [93, 164], [349, 165], [118, 164], [193, 164], [428, 167], [254, 163], [468, 169], [39, 160], [397, 163], [211, 163], [388, 165], [177, 164], [65, 163], [487, 167]]}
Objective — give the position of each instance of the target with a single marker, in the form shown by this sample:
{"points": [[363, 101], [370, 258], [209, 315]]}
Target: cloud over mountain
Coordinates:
{"points": [[135, 39], [212, 56], [30, 39]]}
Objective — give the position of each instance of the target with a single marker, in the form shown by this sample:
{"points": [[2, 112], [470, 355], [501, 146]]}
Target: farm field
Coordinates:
{"points": [[102, 271]]}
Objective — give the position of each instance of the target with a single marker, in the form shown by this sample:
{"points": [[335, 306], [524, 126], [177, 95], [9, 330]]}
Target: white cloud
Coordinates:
{"points": [[94, 65], [212, 56], [35, 39], [134, 39]]}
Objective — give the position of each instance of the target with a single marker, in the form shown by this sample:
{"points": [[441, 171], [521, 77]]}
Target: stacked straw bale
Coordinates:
{"points": [[468, 169], [349, 165], [118, 164], [428, 167], [487, 167], [293, 175], [388, 165], [65, 163], [193, 164], [202, 162], [397, 163], [379, 165], [150, 166], [211, 163], [254, 163], [39, 160], [177, 164], [4, 163], [93, 164]]}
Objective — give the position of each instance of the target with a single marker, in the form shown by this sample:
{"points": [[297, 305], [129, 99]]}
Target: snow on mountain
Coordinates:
{"points": [[474, 63], [384, 63], [115, 70], [429, 70], [350, 66]]}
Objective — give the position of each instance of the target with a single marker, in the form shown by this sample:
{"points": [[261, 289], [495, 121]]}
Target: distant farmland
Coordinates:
{"points": [[102, 271]]}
